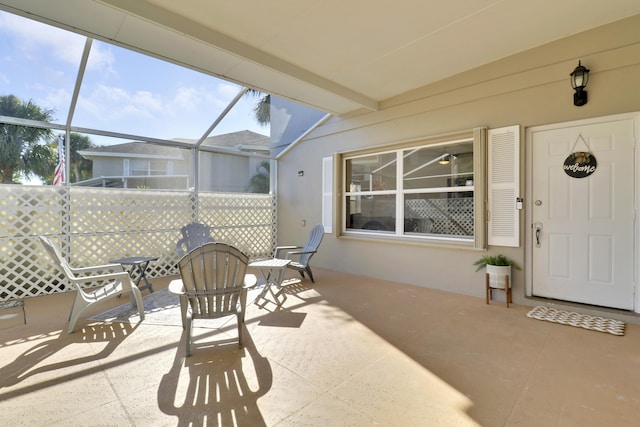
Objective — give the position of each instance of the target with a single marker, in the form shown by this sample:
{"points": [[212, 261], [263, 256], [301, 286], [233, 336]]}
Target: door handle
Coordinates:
{"points": [[538, 228]]}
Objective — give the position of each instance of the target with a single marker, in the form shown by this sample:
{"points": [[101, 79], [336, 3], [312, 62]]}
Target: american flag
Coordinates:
{"points": [[58, 176]]}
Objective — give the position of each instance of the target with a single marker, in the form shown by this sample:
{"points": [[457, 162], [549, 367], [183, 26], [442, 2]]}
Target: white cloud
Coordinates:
{"points": [[117, 94], [101, 58], [227, 91], [148, 101], [60, 100], [115, 103], [187, 98], [31, 37]]}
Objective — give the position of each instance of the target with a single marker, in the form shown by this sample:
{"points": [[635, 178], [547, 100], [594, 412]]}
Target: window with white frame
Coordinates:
{"points": [[143, 167], [427, 191]]}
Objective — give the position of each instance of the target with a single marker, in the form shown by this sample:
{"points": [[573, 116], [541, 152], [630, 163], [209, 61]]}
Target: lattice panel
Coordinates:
{"points": [[23, 272], [31, 211], [450, 216], [94, 226], [247, 222], [117, 210]]}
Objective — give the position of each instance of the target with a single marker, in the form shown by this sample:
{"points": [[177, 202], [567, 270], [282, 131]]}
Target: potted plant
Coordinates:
{"points": [[498, 267]]}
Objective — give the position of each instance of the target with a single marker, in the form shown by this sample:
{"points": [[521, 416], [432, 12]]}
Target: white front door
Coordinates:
{"points": [[583, 228]]}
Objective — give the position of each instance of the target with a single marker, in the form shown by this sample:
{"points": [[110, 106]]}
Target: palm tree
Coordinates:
{"points": [[259, 183], [20, 150], [80, 168], [262, 109]]}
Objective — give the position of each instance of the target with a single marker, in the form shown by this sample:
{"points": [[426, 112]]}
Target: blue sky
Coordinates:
{"points": [[122, 91]]}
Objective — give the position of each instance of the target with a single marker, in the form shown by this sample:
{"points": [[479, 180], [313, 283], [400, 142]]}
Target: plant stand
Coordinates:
{"points": [[507, 289]]}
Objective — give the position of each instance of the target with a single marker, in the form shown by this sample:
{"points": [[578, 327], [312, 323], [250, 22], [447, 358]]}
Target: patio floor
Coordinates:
{"points": [[345, 351]]}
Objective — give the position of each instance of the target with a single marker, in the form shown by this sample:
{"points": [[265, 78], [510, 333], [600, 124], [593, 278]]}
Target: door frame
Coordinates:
{"points": [[529, 233]]}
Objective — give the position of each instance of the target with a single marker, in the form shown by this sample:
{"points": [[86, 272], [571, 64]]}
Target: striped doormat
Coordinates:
{"points": [[600, 324]]}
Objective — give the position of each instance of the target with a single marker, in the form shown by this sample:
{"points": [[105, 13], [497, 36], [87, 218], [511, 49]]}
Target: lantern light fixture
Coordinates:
{"points": [[579, 80]]}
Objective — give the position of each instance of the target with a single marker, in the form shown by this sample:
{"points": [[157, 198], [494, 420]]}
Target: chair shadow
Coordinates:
{"points": [[280, 312], [223, 384], [24, 366], [296, 288]]}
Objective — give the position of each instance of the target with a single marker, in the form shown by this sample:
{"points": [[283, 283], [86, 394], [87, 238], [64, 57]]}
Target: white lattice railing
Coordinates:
{"points": [[96, 225], [448, 216]]}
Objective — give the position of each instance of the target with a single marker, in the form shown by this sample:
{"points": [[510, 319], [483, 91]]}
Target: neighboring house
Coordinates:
{"points": [[137, 165], [229, 168], [236, 159]]}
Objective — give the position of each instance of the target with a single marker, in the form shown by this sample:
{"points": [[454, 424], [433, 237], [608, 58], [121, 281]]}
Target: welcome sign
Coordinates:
{"points": [[580, 164]]}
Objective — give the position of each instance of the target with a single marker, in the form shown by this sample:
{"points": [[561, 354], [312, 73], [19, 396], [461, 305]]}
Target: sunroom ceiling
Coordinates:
{"points": [[334, 55]]}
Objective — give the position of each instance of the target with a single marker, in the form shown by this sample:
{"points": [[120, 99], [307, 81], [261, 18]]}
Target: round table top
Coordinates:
{"points": [[134, 260], [270, 263]]}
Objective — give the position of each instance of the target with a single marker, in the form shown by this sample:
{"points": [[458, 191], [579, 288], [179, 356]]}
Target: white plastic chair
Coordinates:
{"points": [[213, 284], [193, 235], [301, 255], [117, 282]]}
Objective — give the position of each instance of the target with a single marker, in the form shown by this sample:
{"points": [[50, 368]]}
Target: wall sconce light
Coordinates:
{"points": [[579, 80]]}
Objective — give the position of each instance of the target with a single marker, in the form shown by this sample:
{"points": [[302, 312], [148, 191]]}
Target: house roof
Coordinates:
{"points": [[131, 150], [237, 141], [333, 55], [241, 140]]}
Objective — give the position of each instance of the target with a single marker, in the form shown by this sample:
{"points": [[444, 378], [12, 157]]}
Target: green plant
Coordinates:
{"points": [[499, 260]]}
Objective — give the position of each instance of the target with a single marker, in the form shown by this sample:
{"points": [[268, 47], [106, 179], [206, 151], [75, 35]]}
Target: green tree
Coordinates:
{"points": [[20, 149], [80, 168], [262, 109], [259, 183]]}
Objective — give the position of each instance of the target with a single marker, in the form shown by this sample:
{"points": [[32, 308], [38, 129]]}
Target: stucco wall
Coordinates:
{"points": [[227, 173], [107, 167], [529, 89]]}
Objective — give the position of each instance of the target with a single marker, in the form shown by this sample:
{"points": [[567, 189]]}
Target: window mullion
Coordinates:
{"points": [[400, 194]]}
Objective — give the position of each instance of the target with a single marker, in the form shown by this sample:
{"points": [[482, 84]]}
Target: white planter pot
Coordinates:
{"points": [[498, 275]]}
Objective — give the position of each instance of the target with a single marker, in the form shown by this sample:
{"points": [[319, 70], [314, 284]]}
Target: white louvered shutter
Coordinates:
{"points": [[503, 186], [327, 194]]}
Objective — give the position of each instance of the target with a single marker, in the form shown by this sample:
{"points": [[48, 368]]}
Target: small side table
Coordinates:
{"points": [[138, 264], [14, 303], [272, 271]]}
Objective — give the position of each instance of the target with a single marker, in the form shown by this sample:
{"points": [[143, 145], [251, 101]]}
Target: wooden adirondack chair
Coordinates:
{"points": [[213, 284], [91, 288], [193, 235], [301, 255]]}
